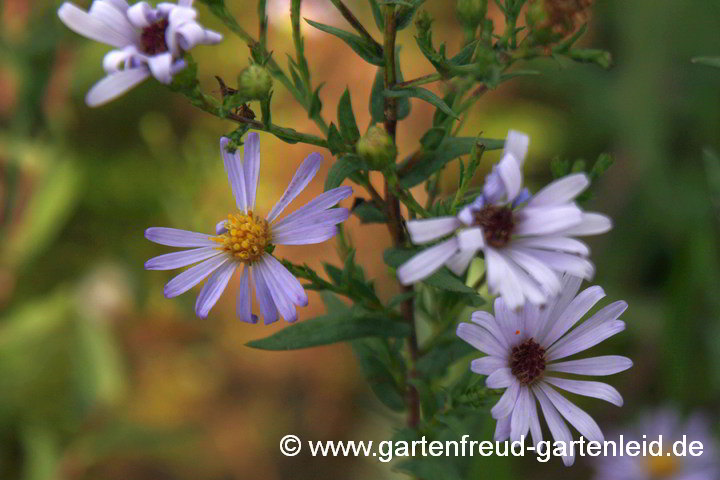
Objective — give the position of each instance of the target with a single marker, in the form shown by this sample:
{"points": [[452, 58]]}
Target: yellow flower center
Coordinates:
{"points": [[246, 238], [663, 466]]}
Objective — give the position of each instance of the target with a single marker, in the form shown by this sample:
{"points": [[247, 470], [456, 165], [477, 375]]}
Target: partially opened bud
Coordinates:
{"points": [[377, 148], [255, 82]]}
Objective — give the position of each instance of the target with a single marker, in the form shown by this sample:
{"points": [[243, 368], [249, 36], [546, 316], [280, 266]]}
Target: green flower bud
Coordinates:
{"points": [[423, 20], [377, 148], [471, 12], [254, 83]]}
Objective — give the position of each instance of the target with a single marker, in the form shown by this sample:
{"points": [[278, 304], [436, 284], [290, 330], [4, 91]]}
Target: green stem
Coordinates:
{"points": [[429, 78], [354, 22]]}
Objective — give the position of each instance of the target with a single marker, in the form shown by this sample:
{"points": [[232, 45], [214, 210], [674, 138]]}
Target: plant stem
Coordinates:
{"points": [[354, 22], [429, 78], [395, 221]]}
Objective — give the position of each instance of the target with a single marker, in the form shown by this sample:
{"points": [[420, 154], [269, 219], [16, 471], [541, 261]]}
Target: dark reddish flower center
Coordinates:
{"points": [[497, 224], [527, 361], [152, 38]]}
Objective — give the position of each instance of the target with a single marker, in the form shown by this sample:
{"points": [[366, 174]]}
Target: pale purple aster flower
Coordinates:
{"points": [[526, 348], [668, 423], [527, 241], [243, 240], [148, 41]]}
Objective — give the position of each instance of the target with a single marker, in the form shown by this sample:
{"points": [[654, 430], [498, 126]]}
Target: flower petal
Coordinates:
{"points": [[566, 347], [460, 262], [235, 173], [181, 259], [161, 67], [481, 339], [212, 290], [286, 280], [505, 405], [426, 262], [563, 262], [192, 276], [520, 419], [251, 167], [548, 220], [243, 306], [268, 310], [561, 191], [509, 170], [576, 416], [316, 206], [487, 365], [114, 85], [535, 428], [305, 236], [316, 219], [115, 19], [173, 237], [590, 224], [490, 323], [600, 390], [558, 429], [557, 244], [302, 177], [89, 26], [501, 279], [429, 229], [502, 429], [501, 378], [606, 314], [471, 239], [516, 144], [279, 295], [547, 279], [579, 306], [595, 366]]}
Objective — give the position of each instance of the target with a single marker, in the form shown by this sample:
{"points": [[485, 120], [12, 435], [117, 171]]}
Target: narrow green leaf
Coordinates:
{"points": [[335, 140], [315, 103], [377, 99], [423, 94], [342, 169], [432, 138], [709, 61], [369, 52], [374, 357], [368, 212], [405, 13], [377, 15], [436, 362], [346, 119], [329, 329]]}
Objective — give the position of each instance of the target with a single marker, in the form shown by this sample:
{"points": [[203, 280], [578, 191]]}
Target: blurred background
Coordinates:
{"points": [[101, 377]]}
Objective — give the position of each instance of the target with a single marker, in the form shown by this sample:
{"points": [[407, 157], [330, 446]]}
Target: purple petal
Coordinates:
{"points": [[481, 339], [600, 390], [490, 323], [549, 220], [502, 429], [317, 205], [173, 237], [501, 279], [243, 306], [279, 296], [426, 262], [181, 259], [564, 347], [577, 417], [305, 236], [573, 313], [606, 314], [89, 26], [192, 276], [114, 85], [460, 262], [471, 239], [304, 174], [427, 230], [535, 428], [547, 279], [520, 419], [320, 219], [561, 191], [235, 173], [262, 292], [516, 144], [563, 262], [487, 365], [595, 366], [505, 405], [590, 224], [501, 378], [558, 244], [251, 167], [559, 430], [212, 290], [509, 170], [286, 281]]}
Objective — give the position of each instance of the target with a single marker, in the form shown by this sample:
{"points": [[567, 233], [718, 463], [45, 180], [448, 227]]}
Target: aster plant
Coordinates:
{"points": [[492, 239]]}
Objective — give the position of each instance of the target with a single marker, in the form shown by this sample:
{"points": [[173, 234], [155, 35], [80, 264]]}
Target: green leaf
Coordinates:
{"points": [[709, 61], [367, 50], [374, 357], [377, 15], [346, 119], [436, 362], [368, 212], [405, 13], [329, 329], [335, 140], [343, 168], [450, 149], [432, 138], [315, 103], [423, 94], [377, 98], [442, 279]]}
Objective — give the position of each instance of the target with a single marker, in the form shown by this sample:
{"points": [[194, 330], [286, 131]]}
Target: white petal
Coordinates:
{"points": [[501, 378], [181, 259], [502, 280], [460, 262], [559, 430], [516, 144], [192, 276], [119, 59], [212, 290], [302, 177], [491, 324], [568, 291], [141, 15], [606, 314], [243, 306], [530, 288], [535, 428], [426, 262], [595, 366], [547, 279], [251, 167], [173, 237], [558, 244], [471, 239], [115, 19], [481, 339], [114, 85], [546, 220], [235, 173], [81, 22], [265, 301], [505, 405], [502, 429], [600, 390], [572, 314], [161, 67], [427, 230], [520, 420], [561, 191], [577, 417], [590, 224], [487, 365], [509, 170], [563, 262], [564, 348]]}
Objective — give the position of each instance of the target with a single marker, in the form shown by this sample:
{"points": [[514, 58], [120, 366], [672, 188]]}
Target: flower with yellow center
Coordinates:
{"points": [[246, 240]]}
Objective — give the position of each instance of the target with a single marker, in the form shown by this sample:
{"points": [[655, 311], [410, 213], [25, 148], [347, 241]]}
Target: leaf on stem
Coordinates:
{"points": [[362, 46]]}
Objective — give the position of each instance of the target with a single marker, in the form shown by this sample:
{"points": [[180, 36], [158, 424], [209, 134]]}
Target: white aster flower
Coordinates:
{"points": [[243, 240], [525, 350], [668, 423], [148, 41], [527, 240]]}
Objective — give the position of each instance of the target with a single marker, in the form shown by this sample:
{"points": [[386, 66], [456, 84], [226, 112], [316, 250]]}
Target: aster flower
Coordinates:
{"points": [[148, 41], [245, 239], [525, 350], [527, 240], [668, 423]]}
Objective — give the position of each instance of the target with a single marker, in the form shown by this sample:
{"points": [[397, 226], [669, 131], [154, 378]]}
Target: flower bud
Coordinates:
{"points": [[552, 20], [377, 148], [471, 12], [255, 82]]}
